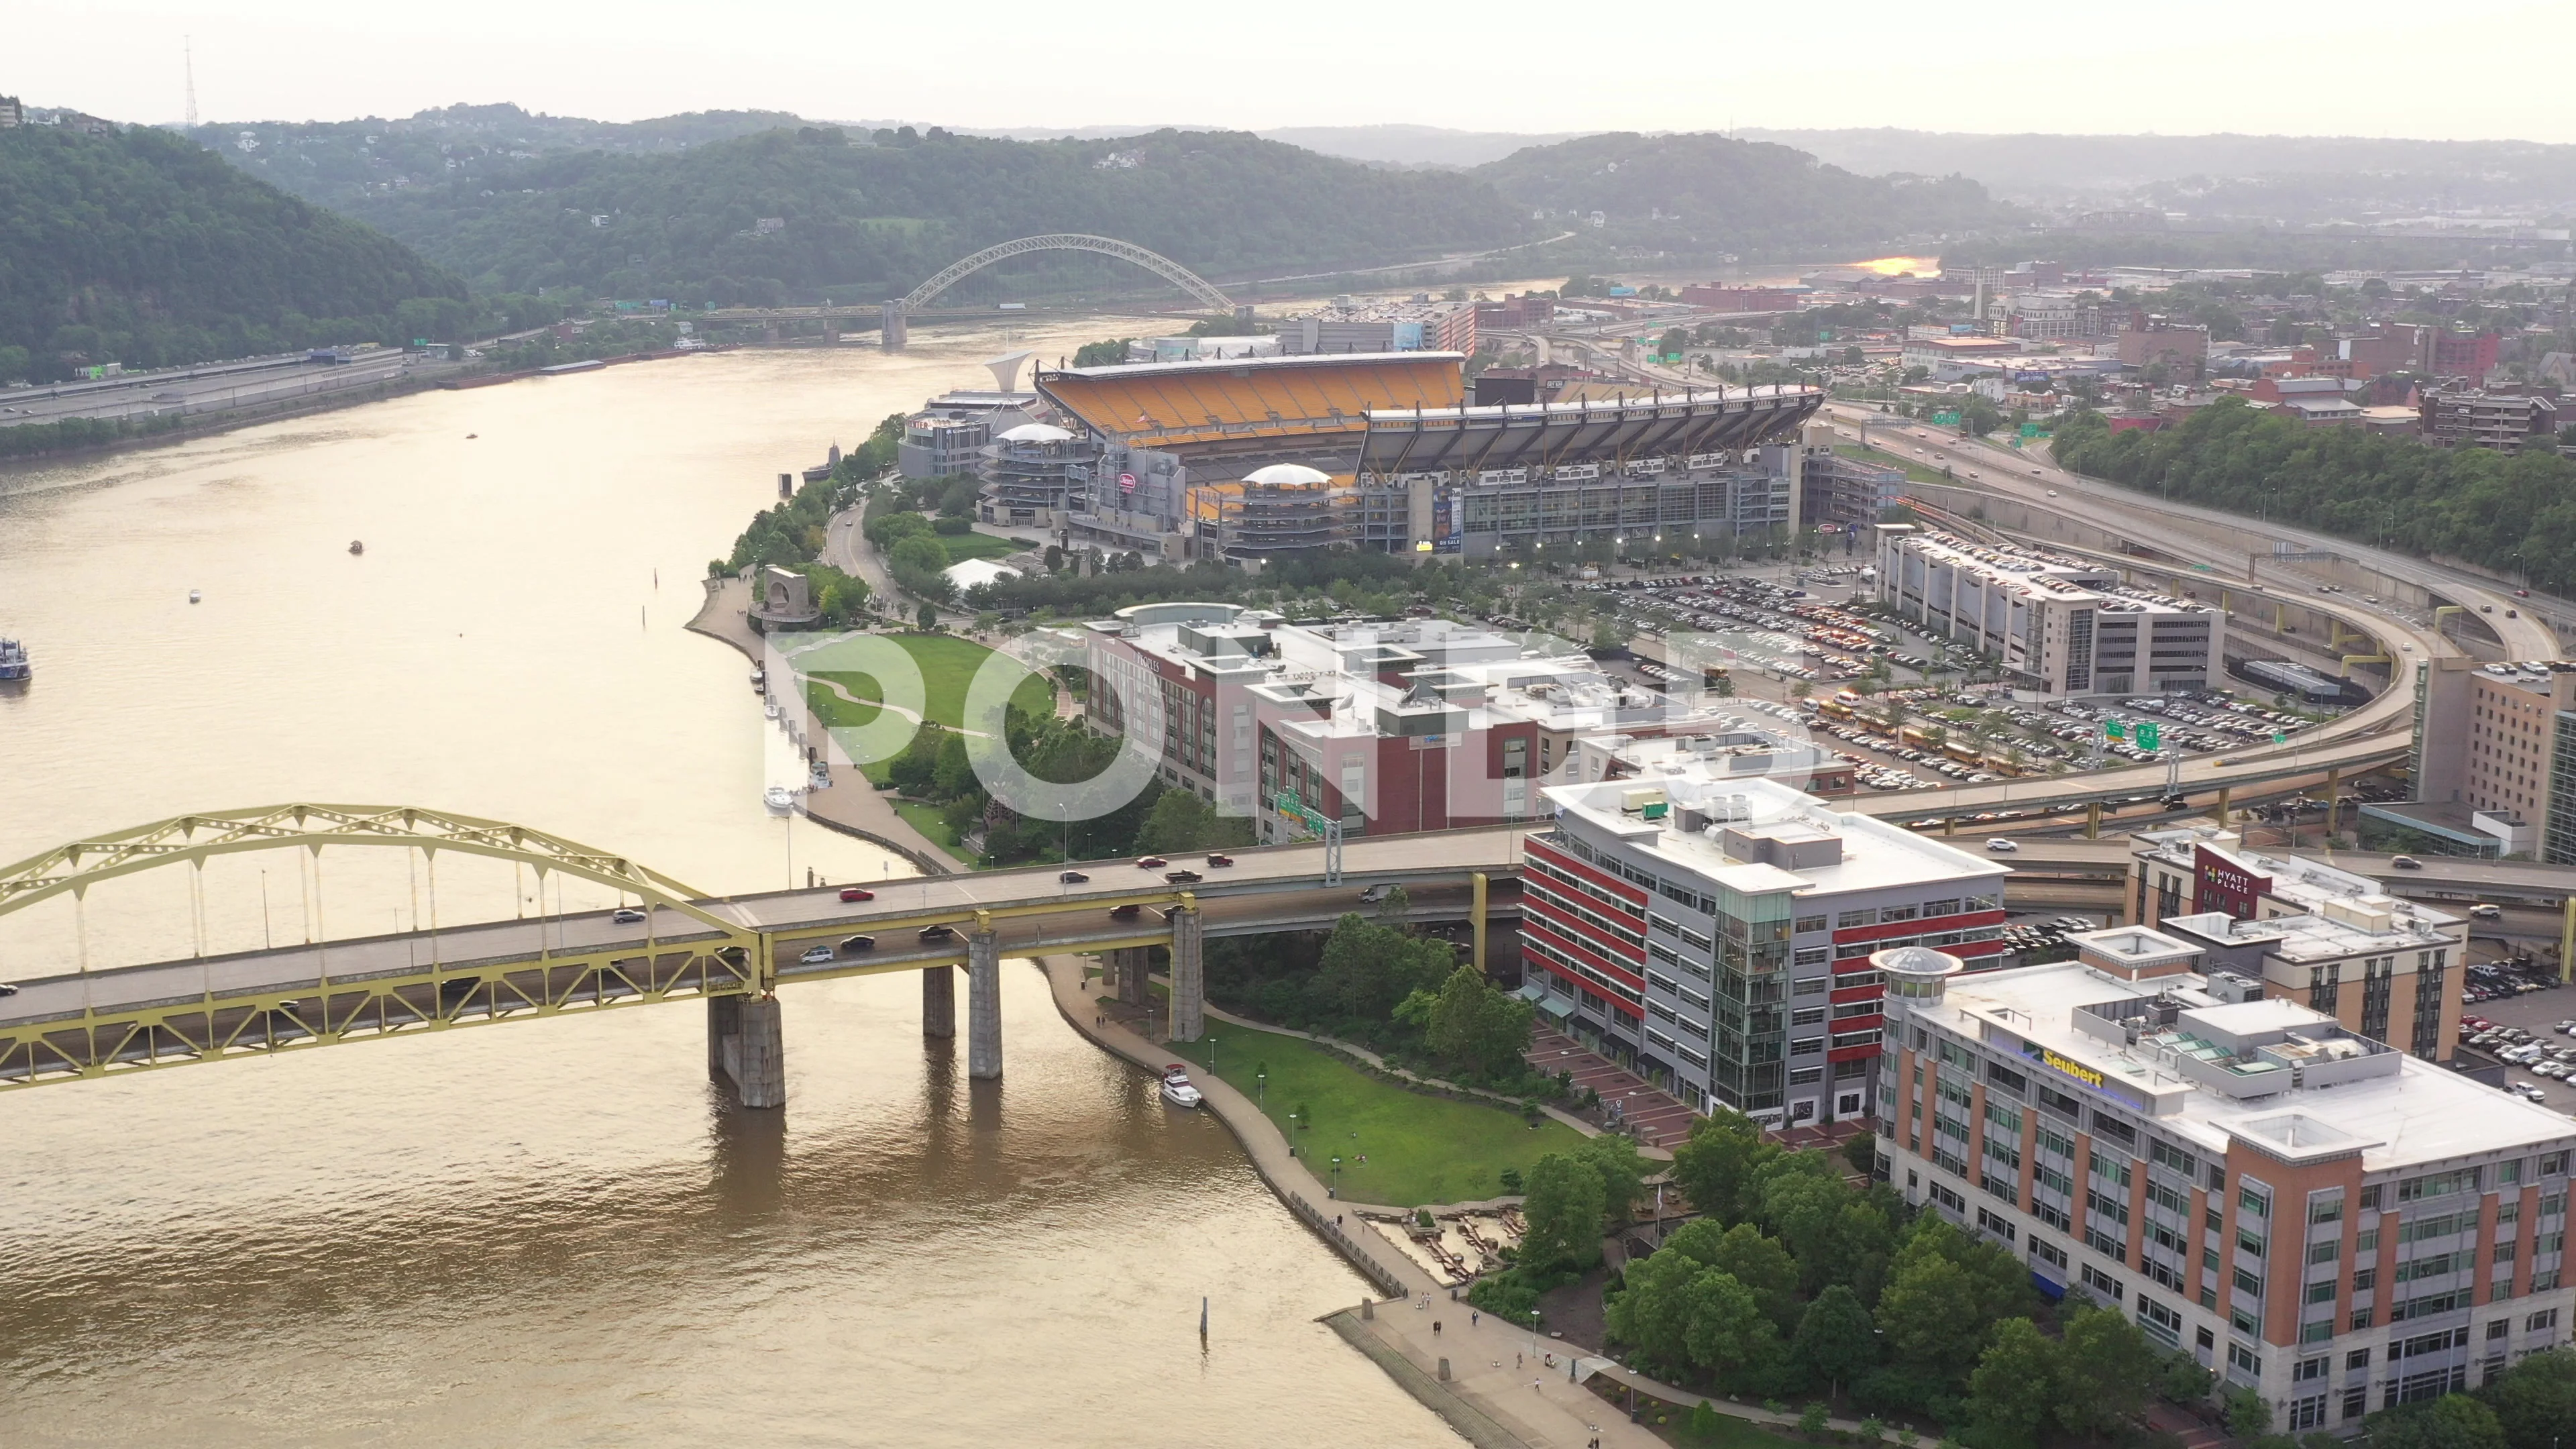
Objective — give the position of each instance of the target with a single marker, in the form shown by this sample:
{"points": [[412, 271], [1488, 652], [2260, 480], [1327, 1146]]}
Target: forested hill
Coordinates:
{"points": [[137, 246], [1696, 193], [862, 217], [340, 163]]}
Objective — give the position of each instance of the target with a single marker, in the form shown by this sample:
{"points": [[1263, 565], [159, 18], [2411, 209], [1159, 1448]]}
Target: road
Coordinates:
{"points": [[200, 390], [2028, 480]]}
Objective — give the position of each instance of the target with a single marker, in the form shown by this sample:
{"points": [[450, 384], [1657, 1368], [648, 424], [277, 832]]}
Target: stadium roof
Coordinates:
{"points": [[1167, 404], [1655, 425]]}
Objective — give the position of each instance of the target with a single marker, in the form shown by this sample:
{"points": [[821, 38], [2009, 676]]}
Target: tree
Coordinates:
{"points": [[1804, 1208], [1719, 1166], [2535, 1401], [2249, 1414], [1622, 1169], [2106, 1368], [1927, 1312], [1471, 1026], [1835, 1339], [1564, 1210], [2013, 1395], [1181, 821], [1367, 969], [1728, 1333], [1765, 1269], [927, 616], [2453, 1421], [1861, 1152]]}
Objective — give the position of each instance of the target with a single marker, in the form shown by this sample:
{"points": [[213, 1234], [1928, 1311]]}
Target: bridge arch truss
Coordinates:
{"points": [[1162, 266], [208, 1013]]}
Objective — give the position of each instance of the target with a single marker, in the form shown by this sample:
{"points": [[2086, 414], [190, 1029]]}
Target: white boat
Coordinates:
{"points": [[194, 596], [773, 709], [1177, 1089], [779, 797]]}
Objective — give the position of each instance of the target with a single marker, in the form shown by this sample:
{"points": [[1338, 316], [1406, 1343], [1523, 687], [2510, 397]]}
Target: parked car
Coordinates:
{"points": [[816, 954], [627, 916], [857, 893], [855, 944], [1072, 877]]}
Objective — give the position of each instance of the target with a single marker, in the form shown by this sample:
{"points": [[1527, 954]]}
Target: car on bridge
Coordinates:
{"points": [[1183, 877], [627, 916], [852, 945], [2000, 846], [937, 933], [814, 955], [1220, 860], [857, 893], [1152, 862], [1072, 877], [1126, 912]]}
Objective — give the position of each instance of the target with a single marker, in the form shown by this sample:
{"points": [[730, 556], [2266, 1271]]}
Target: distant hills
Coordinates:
{"points": [[1697, 192], [136, 246], [814, 211], [760, 208]]}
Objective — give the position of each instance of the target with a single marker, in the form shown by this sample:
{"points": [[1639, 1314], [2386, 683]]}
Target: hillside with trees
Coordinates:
{"points": [[2512, 513], [814, 213], [1699, 193], [137, 246]]}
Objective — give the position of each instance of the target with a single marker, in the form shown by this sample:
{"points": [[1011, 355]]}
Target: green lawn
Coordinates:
{"points": [[947, 663], [963, 546], [1421, 1148]]}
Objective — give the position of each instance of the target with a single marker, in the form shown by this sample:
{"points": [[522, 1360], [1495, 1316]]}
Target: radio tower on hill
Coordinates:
{"points": [[188, 53]]}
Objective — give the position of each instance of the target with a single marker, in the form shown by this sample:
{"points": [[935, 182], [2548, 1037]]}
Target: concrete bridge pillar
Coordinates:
{"points": [[1127, 974], [983, 1005], [1189, 973], [939, 1001], [747, 1046], [890, 326]]}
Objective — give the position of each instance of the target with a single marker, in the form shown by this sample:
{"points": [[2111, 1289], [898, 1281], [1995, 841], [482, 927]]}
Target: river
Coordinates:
{"points": [[554, 1232]]}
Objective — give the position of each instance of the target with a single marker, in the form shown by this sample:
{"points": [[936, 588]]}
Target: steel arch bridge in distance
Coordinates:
{"points": [[1160, 265]]}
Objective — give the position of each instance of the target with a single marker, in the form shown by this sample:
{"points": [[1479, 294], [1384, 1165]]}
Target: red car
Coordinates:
{"points": [[1217, 860], [1152, 862], [857, 893]]}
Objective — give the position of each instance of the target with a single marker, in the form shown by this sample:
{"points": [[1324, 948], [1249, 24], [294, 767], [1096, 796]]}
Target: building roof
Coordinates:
{"points": [[1401, 439], [1169, 404], [2208, 1074], [1746, 813]]}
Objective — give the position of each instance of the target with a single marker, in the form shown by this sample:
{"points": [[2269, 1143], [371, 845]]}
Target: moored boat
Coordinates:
{"points": [[14, 663]]}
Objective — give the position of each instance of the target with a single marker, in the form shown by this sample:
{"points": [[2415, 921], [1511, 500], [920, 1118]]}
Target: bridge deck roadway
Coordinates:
{"points": [[1273, 888]]}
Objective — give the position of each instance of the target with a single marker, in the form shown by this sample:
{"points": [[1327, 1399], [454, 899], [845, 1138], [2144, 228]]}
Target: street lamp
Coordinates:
{"points": [[1260, 1087], [1533, 1333], [1337, 1175]]}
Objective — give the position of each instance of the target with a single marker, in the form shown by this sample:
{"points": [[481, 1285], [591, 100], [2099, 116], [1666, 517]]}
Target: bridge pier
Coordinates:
{"points": [[1128, 962], [747, 1047], [983, 1006], [1189, 972], [890, 327], [939, 1001]]}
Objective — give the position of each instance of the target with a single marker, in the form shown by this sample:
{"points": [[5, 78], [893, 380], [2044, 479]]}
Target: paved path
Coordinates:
{"points": [[1662, 1119]]}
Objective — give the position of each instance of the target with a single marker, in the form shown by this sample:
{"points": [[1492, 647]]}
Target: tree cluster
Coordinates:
{"points": [[138, 247], [2530, 1406], [1795, 1281], [2505, 512]]}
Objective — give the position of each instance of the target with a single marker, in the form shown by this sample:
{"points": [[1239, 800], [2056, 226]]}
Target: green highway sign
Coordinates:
{"points": [[2150, 735], [1287, 803], [2113, 729], [1945, 420]]}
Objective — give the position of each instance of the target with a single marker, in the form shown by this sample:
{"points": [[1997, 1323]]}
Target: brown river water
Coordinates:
{"points": [[555, 1232]]}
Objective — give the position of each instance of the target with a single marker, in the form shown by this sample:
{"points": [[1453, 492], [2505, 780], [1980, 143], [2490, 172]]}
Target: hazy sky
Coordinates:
{"points": [[2469, 69]]}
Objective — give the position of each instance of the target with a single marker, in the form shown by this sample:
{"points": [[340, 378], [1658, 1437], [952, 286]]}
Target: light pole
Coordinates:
{"points": [[1260, 1088], [1337, 1175], [1533, 1333]]}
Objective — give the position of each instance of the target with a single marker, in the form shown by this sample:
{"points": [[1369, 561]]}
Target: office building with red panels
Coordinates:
{"points": [[1714, 933]]}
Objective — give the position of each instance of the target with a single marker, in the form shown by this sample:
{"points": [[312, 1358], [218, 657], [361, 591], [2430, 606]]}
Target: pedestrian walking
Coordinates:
{"points": [[1473, 1318], [1435, 1328]]}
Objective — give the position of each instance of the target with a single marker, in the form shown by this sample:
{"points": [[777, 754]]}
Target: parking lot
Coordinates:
{"points": [[2537, 1012]]}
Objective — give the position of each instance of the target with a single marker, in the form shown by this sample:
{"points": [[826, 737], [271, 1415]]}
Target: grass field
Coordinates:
{"points": [[948, 665], [1421, 1148], [963, 546]]}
